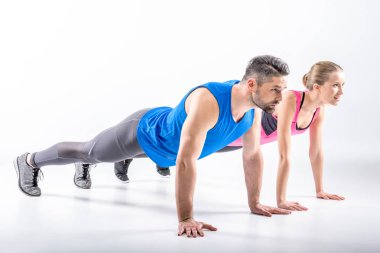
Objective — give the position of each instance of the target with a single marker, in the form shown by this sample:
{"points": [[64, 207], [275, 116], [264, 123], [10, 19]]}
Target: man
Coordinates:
{"points": [[208, 118]]}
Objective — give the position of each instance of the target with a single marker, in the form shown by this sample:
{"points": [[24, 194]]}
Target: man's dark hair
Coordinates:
{"points": [[264, 67]]}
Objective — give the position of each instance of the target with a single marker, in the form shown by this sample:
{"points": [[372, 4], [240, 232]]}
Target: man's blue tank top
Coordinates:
{"points": [[159, 130]]}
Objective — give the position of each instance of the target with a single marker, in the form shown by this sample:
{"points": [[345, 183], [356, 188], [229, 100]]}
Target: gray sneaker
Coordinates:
{"points": [[121, 170], [82, 177], [163, 171], [27, 176]]}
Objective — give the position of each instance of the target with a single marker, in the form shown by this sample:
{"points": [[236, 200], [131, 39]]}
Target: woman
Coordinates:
{"points": [[324, 83]]}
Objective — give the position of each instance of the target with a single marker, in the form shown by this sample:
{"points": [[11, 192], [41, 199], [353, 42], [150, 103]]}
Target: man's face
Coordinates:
{"points": [[269, 94]]}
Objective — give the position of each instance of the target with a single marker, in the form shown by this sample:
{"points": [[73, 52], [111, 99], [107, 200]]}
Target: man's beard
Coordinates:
{"points": [[266, 107]]}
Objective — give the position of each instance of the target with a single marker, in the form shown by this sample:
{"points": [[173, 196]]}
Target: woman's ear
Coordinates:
{"points": [[316, 87]]}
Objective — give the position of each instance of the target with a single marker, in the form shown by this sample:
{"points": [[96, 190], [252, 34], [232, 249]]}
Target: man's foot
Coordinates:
{"points": [[82, 177], [121, 170], [165, 172], [27, 176]]}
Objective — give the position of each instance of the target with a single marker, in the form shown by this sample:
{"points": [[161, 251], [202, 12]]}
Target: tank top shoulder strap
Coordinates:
{"points": [[315, 114], [299, 97]]}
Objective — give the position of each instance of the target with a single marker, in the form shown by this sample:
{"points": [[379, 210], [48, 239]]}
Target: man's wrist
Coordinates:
{"points": [[318, 191], [186, 219]]}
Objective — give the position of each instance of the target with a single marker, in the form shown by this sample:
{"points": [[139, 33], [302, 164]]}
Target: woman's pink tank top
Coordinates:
{"points": [[294, 128]]}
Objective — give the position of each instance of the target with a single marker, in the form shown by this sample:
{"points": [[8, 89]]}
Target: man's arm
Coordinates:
{"points": [[202, 114], [253, 169]]}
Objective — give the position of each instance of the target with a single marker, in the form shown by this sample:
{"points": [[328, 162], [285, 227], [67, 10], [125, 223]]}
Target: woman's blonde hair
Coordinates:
{"points": [[319, 73]]}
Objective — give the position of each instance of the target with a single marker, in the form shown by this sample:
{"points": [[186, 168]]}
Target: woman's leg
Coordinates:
{"points": [[165, 171]]}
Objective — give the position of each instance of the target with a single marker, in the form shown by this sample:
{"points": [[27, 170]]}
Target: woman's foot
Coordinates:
{"points": [[165, 172]]}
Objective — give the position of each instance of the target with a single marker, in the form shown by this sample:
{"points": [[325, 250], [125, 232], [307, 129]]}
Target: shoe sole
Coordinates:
{"points": [[79, 186], [15, 164], [117, 175], [166, 176], [123, 181], [163, 175]]}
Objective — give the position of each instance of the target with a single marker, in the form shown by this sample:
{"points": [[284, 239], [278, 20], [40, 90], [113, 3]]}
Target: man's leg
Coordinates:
{"points": [[122, 172], [113, 144], [163, 171], [121, 169], [28, 165], [82, 177]]}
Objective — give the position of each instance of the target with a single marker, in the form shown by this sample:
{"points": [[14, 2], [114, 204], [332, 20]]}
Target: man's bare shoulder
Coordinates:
{"points": [[202, 97]]}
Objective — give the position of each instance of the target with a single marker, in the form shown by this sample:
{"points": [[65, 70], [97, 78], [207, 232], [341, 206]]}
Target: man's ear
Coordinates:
{"points": [[252, 84]]}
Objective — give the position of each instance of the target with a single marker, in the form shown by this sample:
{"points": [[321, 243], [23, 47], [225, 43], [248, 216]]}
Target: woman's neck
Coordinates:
{"points": [[311, 101]]}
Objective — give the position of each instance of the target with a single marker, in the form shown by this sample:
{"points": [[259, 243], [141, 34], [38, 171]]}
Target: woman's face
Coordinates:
{"points": [[332, 90]]}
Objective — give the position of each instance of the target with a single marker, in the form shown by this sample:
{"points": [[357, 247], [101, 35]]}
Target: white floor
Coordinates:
{"points": [[141, 216]]}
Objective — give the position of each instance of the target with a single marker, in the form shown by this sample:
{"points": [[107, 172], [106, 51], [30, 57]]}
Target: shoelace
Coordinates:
{"points": [[86, 168], [126, 163], [37, 175]]}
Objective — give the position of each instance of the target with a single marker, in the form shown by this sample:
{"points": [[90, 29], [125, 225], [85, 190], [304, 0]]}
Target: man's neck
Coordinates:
{"points": [[240, 101]]}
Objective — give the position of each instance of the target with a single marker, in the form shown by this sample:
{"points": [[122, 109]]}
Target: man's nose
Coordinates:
{"points": [[279, 97]]}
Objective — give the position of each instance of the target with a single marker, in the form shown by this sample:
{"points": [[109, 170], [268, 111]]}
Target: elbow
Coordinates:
{"points": [[251, 156], [185, 163], [284, 158], [314, 156], [284, 161], [185, 170]]}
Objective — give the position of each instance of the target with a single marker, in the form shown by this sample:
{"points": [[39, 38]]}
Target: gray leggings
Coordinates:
{"points": [[114, 144]]}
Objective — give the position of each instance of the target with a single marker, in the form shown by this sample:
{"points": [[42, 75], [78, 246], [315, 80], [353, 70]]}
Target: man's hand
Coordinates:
{"points": [[290, 205], [325, 195], [268, 210], [193, 228]]}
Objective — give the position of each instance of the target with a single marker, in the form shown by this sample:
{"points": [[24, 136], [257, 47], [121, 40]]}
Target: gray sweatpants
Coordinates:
{"points": [[114, 144]]}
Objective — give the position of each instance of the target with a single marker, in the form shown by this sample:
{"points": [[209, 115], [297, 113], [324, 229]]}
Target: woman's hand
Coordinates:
{"points": [[290, 205], [268, 210], [327, 196]]}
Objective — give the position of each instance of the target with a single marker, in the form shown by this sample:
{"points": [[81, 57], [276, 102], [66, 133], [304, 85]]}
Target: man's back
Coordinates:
{"points": [[160, 129]]}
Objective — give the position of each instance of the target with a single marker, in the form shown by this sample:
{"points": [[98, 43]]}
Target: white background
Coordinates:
{"points": [[69, 69]]}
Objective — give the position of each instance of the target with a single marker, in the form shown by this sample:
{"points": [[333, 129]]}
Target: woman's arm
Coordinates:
{"points": [[253, 169], [286, 111], [316, 156]]}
